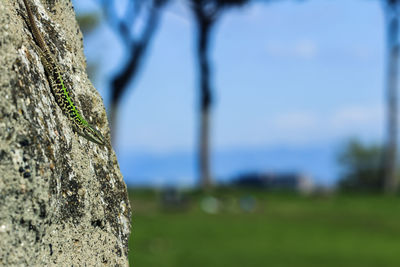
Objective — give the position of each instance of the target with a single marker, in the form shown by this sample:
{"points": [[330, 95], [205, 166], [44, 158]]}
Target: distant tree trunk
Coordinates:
{"points": [[137, 49], [390, 157], [204, 29], [120, 83], [206, 12]]}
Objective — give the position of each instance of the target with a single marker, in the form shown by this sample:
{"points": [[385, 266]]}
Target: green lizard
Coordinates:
{"points": [[60, 91]]}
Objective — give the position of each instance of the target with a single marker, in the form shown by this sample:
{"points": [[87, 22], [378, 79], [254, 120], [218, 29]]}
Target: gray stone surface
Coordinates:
{"points": [[63, 201]]}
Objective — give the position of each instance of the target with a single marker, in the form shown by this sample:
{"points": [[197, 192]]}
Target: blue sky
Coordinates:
{"points": [[292, 74]]}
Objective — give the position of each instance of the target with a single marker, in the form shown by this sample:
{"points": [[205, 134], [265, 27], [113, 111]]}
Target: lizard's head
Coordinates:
{"points": [[93, 135]]}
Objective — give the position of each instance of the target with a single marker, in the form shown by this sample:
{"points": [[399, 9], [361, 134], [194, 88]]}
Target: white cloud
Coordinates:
{"points": [[178, 12], [299, 120], [362, 52], [254, 13], [356, 117], [303, 127], [303, 49]]}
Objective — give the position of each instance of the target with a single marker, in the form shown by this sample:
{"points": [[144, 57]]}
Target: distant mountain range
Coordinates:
{"points": [[179, 168]]}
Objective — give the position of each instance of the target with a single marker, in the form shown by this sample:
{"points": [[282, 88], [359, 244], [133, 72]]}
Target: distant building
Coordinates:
{"points": [[287, 181]]}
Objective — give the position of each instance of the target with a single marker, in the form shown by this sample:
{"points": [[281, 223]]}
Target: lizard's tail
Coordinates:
{"points": [[35, 30]]}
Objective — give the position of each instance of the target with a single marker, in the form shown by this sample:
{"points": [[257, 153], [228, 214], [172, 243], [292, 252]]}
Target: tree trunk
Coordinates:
{"points": [[204, 28], [390, 179], [63, 201]]}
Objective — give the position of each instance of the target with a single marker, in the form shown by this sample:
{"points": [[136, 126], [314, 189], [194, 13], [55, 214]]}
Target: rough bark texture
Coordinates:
{"points": [[63, 201]]}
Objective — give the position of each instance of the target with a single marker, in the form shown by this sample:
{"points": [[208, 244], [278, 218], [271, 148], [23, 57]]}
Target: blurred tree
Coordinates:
{"points": [[145, 13], [205, 14], [391, 10], [361, 168], [88, 22]]}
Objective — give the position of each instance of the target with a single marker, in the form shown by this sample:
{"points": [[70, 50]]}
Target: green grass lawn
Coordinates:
{"points": [[283, 230]]}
